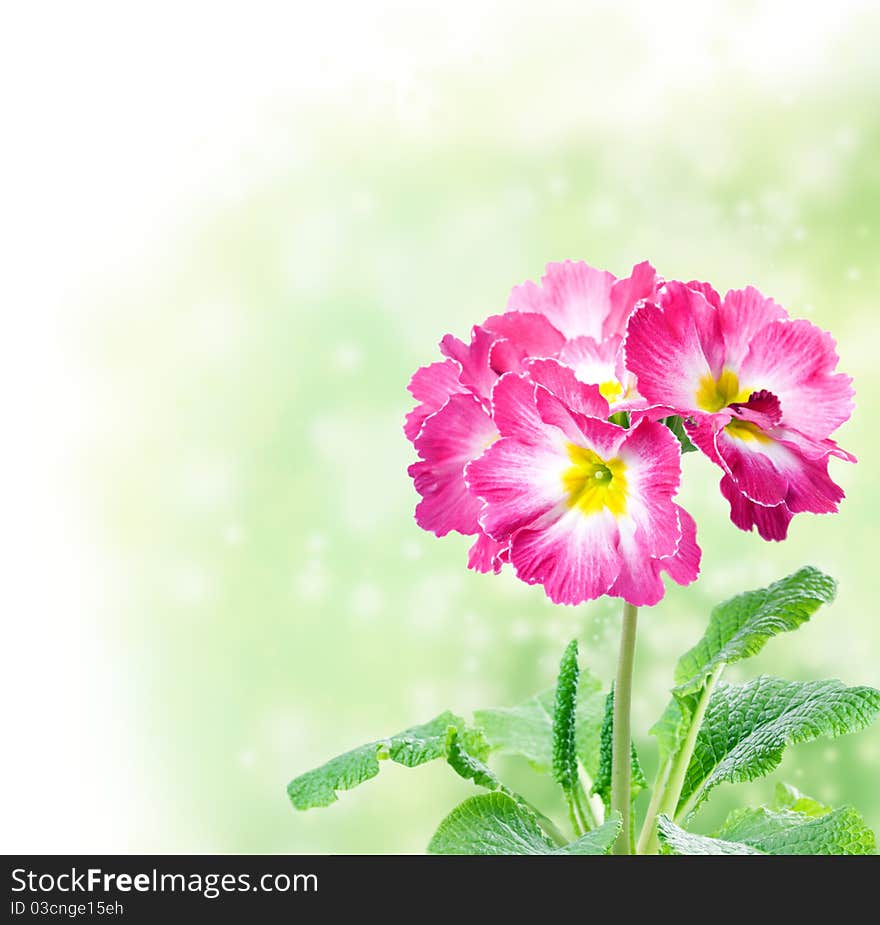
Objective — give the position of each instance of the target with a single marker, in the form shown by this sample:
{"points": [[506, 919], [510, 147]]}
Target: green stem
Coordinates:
{"points": [[621, 742], [574, 818], [647, 835], [579, 812], [549, 827], [586, 804], [678, 771]]}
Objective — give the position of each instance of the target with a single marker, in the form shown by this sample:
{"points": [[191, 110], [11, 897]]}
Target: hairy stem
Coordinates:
{"points": [[621, 747]]}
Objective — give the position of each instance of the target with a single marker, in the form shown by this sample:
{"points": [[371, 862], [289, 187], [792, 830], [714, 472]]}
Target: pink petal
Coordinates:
{"points": [[485, 555], [562, 382], [796, 360], [762, 409], [575, 558], [652, 456], [641, 284], [519, 482], [709, 293], [637, 582], [430, 386], [448, 440], [703, 433], [834, 450], [556, 413], [743, 314], [473, 358], [772, 522], [812, 449], [522, 335], [515, 411], [671, 349], [574, 297], [600, 436], [810, 488], [758, 468], [684, 566], [592, 362]]}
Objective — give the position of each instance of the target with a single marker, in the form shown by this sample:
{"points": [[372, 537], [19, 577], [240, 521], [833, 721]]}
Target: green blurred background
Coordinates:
{"points": [[273, 602]]}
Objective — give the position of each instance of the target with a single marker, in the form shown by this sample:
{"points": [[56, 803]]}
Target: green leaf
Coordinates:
{"points": [[427, 742], [676, 425], [788, 797], [739, 627], [467, 765], [318, 787], [565, 760], [491, 823], [746, 728], [412, 747], [817, 830], [526, 730], [496, 824], [839, 831], [602, 783], [675, 840], [597, 841], [470, 767]]}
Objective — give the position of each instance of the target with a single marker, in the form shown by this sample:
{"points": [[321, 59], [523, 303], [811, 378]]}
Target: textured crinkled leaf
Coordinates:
{"points": [[564, 752], [318, 787], [739, 627], [470, 767], [746, 728], [602, 783], [527, 729], [597, 841], [491, 823], [494, 823], [427, 742], [676, 425], [788, 797], [675, 840], [818, 831], [840, 831], [414, 746], [474, 742], [467, 765]]}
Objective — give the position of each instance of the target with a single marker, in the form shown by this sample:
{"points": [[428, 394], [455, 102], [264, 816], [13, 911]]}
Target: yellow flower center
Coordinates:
{"points": [[611, 390], [746, 430], [594, 484], [715, 394]]}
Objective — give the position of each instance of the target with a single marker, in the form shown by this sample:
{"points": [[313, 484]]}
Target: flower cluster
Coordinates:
{"points": [[548, 437]]}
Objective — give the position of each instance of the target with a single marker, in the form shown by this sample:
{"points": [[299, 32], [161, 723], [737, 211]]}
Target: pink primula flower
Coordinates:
{"points": [[584, 505], [589, 309], [577, 315], [758, 392]]}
